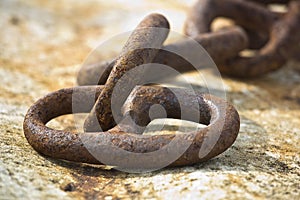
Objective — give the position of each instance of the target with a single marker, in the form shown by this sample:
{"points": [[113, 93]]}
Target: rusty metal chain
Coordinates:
{"points": [[221, 117], [283, 30], [69, 145], [275, 37]]}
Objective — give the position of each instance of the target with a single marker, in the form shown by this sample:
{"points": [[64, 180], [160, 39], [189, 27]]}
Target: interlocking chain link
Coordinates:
{"points": [[171, 150], [274, 35], [283, 33]]}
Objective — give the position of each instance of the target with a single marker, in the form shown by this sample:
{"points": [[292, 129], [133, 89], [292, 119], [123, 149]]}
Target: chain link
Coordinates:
{"points": [[275, 37]]}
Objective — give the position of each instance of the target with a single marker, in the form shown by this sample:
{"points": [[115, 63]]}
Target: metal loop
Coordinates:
{"points": [[214, 43], [274, 54], [68, 145]]}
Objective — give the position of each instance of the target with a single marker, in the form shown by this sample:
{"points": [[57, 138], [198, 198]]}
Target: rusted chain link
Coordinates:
{"points": [[151, 32], [69, 146], [283, 40], [221, 118], [234, 38], [246, 14], [275, 36], [256, 25]]}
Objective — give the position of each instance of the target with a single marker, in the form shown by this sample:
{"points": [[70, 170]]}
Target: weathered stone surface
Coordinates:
{"points": [[42, 46]]}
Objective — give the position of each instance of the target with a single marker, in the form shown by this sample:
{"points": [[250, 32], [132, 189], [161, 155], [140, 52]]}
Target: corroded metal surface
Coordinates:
{"points": [[283, 32], [141, 48], [274, 46], [43, 45], [216, 44], [221, 117]]}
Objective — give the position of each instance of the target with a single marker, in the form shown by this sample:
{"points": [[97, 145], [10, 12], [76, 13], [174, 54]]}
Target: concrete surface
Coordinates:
{"points": [[42, 46]]}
